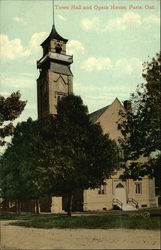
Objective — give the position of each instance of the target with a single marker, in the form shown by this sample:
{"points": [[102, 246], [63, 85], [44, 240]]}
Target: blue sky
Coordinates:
{"points": [[108, 45]]}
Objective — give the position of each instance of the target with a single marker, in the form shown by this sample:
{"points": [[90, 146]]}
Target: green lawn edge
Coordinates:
{"points": [[100, 221]]}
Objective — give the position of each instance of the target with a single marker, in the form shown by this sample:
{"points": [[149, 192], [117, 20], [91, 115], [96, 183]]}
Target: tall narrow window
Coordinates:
{"points": [[138, 188], [101, 189], [121, 156], [58, 99]]}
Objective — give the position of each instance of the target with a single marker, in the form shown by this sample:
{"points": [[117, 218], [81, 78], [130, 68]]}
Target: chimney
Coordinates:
{"points": [[127, 104]]}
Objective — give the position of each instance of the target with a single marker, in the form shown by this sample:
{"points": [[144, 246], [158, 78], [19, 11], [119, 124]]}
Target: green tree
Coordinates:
{"points": [[141, 124], [76, 154], [10, 108], [19, 163]]}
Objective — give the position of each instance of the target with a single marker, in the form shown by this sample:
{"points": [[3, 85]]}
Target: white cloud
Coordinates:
{"points": [[75, 48], [122, 23], [17, 19], [5, 94], [123, 66], [12, 49], [127, 66], [93, 63], [91, 24], [36, 40], [94, 90], [62, 18], [31, 61], [151, 19], [16, 82], [96, 97]]}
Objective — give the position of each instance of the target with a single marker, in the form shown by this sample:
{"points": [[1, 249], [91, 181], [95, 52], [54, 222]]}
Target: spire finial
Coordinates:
{"points": [[53, 12]]}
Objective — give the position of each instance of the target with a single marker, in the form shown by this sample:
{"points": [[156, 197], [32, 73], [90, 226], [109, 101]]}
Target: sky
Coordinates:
{"points": [[109, 39]]}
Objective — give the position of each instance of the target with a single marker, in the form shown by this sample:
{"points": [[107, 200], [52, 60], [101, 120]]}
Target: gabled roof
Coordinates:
{"points": [[95, 115], [54, 35]]}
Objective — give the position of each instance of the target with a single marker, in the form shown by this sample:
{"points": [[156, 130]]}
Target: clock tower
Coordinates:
{"points": [[55, 80]]}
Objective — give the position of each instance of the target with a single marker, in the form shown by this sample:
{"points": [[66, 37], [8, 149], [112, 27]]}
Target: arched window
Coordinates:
{"points": [[119, 186], [58, 48]]}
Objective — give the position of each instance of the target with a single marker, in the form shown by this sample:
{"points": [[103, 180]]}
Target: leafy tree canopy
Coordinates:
{"points": [[141, 124], [19, 162], [57, 155], [76, 153], [10, 108]]}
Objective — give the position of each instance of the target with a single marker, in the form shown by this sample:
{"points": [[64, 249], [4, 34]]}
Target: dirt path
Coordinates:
{"points": [[14, 237]]}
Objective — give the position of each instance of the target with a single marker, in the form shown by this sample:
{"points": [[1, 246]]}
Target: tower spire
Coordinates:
{"points": [[53, 12], [56, 79]]}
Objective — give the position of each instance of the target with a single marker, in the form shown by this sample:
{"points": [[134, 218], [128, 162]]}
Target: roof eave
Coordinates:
{"points": [[54, 35]]}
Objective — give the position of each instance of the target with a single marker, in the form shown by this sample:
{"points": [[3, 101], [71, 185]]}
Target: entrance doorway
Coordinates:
{"points": [[120, 193]]}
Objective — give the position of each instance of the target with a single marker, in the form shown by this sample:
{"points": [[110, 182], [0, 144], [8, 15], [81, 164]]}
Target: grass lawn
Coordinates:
{"points": [[100, 221]]}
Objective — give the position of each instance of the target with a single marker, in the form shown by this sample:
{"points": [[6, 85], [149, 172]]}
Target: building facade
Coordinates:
{"points": [[126, 195]]}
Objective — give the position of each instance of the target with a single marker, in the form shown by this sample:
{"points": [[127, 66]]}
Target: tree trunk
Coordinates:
{"points": [[37, 206], [69, 203], [18, 207]]}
